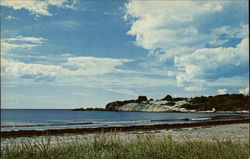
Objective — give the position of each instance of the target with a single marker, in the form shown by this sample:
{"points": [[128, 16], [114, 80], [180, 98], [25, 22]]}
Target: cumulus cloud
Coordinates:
{"points": [[168, 25], [85, 71], [70, 66], [38, 7], [193, 88], [193, 66], [74, 67], [93, 65], [244, 91], [228, 33], [222, 91], [232, 32], [71, 70], [12, 68], [183, 34]]}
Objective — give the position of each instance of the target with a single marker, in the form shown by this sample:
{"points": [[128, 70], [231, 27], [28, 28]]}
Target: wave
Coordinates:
{"points": [[135, 122], [122, 122], [170, 120], [198, 119], [41, 125], [78, 123]]}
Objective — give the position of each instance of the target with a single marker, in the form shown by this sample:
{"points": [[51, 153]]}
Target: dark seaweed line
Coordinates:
{"points": [[26, 133], [40, 125]]}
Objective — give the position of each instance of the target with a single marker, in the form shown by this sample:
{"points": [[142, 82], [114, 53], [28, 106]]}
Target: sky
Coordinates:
{"points": [[75, 53]]}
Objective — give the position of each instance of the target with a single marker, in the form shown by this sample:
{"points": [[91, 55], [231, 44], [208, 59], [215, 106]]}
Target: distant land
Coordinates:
{"points": [[226, 103]]}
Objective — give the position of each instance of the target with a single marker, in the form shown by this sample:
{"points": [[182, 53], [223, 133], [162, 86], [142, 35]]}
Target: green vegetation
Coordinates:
{"points": [[226, 102], [143, 147], [173, 99]]}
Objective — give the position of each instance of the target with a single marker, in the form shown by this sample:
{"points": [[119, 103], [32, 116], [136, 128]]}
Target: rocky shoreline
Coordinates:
{"points": [[233, 103]]}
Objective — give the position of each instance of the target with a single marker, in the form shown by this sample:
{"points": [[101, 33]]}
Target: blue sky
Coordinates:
{"points": [[72, 53]]}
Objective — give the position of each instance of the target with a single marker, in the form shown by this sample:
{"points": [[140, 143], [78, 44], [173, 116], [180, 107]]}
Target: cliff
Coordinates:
{"points": [[233, 102]]}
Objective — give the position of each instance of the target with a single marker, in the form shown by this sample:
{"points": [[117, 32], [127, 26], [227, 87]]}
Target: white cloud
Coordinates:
{"points": [[222, 91], [237, 32], [5, 46], [193, 88], [229, 32], [193, 66], [66, 55], [171, 73], [179, 31], [10, 17], [123, 91], [38, 7], [244, 91], [74, 67], [19, 42], [84, 71], [26, 39], [21, 69], [92, 65], [168, 25], [92, 72], [173, 26]]}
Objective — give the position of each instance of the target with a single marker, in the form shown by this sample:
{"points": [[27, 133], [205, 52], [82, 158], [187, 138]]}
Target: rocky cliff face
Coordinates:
{"points": [[153, 106], [144, 105], [226, 102]]}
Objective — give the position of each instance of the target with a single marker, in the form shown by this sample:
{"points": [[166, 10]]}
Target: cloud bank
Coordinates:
{"points": [[38, 7], [185, 36]]}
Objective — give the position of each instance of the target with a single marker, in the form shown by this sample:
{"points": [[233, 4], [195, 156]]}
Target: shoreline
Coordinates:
{"points": [[188, 111], [50, 132], [210, 140]]}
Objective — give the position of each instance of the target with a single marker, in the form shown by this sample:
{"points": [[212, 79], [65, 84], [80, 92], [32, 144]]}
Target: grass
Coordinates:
{"points": [[113, 147]]}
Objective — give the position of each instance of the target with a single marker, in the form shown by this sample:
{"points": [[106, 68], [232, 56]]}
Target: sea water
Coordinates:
{"points": [[42, 119]]}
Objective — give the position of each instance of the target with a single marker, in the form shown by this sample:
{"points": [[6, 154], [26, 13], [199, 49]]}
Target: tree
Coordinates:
{"points": [[167, 98]]}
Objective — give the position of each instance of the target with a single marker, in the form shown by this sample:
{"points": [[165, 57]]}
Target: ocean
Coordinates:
{"points": [[42, 119]]}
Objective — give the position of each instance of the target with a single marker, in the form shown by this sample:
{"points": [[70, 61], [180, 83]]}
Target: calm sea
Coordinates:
{"points": [[40, 119]]}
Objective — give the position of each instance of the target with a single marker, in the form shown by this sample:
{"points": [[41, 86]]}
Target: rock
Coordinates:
{"points": [[114, 105], [176, 104]]}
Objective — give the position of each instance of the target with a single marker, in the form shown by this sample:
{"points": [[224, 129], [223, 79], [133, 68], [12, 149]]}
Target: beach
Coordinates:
{"points": [[210, 141], [233, 132], [166, 135]]}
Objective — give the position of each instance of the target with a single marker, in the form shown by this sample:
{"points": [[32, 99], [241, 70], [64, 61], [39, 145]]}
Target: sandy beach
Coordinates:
{"points": [[233, 132]]}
